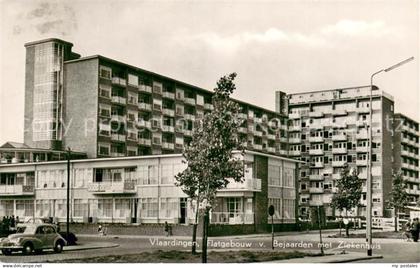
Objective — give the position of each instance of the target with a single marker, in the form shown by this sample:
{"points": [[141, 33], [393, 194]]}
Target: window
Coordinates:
{"points": [[149, 208], [148, 175], [234, 206], [105, 208], [105, 91], [104, 149], [105, 72], [157, 87], [122, 208], [167, 174], [80, 208]]}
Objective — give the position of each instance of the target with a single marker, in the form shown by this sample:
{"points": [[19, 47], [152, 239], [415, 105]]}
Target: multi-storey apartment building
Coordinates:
{"points": [[108, 108], [406, 153], [141, 189], [328, 130]]}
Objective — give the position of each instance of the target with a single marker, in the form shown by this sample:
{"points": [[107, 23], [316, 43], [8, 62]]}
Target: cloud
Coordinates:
{"points": [[325, 37], [47, 17], [233, 42], [357, 28]]}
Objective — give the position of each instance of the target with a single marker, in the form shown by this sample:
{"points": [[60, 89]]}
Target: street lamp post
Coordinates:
{"points": [[68, 194], [369, 170]]}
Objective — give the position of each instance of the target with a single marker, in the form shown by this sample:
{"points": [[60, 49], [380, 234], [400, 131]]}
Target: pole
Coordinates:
{"points": [[320, 231], [68, 195], [205, 228]]}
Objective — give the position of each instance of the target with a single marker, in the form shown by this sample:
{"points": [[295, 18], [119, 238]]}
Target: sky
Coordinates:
{"points": [[293, 46]]}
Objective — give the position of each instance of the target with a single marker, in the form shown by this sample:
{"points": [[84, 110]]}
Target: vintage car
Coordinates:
{"points": [[33, 238]]}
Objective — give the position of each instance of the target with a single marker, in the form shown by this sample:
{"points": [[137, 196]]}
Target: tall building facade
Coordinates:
{"points": [[44, 93], [111, 109], [406, 153], [328, 130]]}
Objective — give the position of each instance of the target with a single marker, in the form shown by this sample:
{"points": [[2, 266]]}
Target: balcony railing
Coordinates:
{"points": [[231, 218], [119, 81], [362, 136], [294, 153], [362, 149], [294, 115], [190, 101], [257, 133], [316, 114], [364, 110], [119, 118], [316, 139], [339, 150], [189, 117], [208, 106], [125, 187], [316, 151], [271, 136], [166, 128], [283, 152], [145, 106], [295, 128], [144, 124], [339, 137], [168, 95], [118, 137], [145, 88], [168, 112], [249, 184], [317, 164], [147, 142], [119, 100], [339, 112], [242, 116], [168, 145], [16, 189], [314, 190], [271, 149], [315, 203], [361, 162], [257, 146], [294, 140], [316, 177], [187, 132], [339, 163]]}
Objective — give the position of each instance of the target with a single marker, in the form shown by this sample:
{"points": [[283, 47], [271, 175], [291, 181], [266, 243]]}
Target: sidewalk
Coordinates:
{"points": [[332, 258], [277, 234]]}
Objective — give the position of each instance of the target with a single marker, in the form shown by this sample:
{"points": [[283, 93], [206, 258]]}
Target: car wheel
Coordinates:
{"points": [[58, 248], [6, 252], [28, 248]]}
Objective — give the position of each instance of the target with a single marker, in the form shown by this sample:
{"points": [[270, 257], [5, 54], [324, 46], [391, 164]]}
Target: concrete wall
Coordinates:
{"points": [[81, 106], [387, 151]]}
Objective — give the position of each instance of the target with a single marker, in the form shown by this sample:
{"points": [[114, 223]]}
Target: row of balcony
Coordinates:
{"points": [[410, 166], [16, 189], [410, 142]]}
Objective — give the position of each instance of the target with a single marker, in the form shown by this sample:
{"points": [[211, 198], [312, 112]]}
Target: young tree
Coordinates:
{"points": [[210, 154], [399, 196], [349, 192]]}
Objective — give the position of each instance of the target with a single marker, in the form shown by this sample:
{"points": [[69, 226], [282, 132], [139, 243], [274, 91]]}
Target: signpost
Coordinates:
{"points": [[271, 213]]}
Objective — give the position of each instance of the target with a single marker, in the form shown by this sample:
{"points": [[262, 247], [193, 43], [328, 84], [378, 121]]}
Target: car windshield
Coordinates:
{"points": [[29, 229]]}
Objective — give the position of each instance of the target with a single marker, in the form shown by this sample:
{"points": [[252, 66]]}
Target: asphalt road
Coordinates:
{"points": [[393, 250]]}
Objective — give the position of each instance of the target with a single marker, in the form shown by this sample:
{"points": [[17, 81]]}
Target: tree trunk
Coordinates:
{"points": [[205, 232], [347, 225], [194, 235]]}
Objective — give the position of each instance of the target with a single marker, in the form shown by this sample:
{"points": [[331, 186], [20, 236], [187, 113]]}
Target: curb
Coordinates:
{"points": [[358, 259], [92, 246]]}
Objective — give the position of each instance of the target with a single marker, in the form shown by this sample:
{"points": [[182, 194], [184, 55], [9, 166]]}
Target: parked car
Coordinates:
{"points": [[71, 239], [33, 238]]}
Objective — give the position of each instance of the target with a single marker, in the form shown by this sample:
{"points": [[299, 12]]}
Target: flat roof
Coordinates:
{"points": [[137, 158], [168, 78], [48, 40], [409, 118]]}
